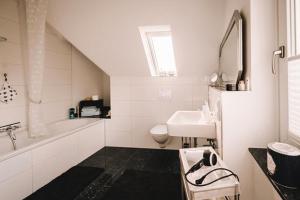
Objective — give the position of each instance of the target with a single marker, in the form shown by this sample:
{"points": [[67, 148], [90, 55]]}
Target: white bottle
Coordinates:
{"points": [[241, 86]]}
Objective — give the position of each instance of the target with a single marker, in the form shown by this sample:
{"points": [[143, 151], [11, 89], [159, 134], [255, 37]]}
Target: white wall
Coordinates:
{"points": [[11, 61], [106, 89], [264, 83], [87, 79], [59, 84], [106, 31], [262, 115], [138, 104]]}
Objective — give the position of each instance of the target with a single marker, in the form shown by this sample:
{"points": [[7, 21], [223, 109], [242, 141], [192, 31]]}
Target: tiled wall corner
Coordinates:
{"points": [[139, 103]]}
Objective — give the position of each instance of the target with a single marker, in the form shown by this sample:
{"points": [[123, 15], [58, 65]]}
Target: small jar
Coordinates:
{"points": [[71, 113], [241, 86]]}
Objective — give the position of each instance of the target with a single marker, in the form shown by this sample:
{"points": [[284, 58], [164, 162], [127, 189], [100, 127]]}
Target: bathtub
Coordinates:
{"points": [[37, 161]]}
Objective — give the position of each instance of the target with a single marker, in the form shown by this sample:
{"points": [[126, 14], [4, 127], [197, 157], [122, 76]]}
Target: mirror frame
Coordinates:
{"points": [[235, 22]]}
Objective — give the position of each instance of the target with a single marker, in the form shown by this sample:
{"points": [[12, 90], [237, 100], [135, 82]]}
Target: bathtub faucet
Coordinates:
{"points": [[9, 130]]}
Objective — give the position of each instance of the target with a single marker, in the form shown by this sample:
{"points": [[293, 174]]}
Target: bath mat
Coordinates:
{"points": [[144, 185], [68, 185]]}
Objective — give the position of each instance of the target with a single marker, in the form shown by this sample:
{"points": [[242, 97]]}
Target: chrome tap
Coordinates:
{"points": [[9, 130]]}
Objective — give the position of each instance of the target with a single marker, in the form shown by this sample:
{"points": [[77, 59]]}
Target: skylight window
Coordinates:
{"points": [[159, 51]]}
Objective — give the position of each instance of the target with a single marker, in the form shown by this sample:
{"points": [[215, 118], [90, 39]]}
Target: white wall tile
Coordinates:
{"points": [[182, 93], [55, 111], [10, 53], [10, 30], [15, 74], [145, 108], [57, 93], [9, 10], [120, 92], [168, 108], [57, 60], [118, 138], [19, 100], [141, 132], [148, 108], [144, 93], [121, 108], [56, 44], [13, 114], [173, 81], [57, 77], [200, 95], [118, 123], [145, 81], [120, 81], [87, 78]]}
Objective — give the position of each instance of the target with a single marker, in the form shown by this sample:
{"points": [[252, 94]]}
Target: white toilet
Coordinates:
{"points": [[160, 134]]}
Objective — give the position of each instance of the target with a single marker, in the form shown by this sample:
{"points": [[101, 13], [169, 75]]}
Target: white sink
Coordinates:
{"points": [[190, 124]]}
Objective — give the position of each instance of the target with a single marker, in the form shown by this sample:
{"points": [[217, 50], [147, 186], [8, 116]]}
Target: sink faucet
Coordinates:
{"points": [[9, 130]]}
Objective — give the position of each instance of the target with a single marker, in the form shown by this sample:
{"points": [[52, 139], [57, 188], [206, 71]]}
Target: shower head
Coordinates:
{"points": [[3, 39]]}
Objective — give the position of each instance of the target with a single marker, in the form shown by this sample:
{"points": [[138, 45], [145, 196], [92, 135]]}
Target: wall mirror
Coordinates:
{"points": [[231, 52]]}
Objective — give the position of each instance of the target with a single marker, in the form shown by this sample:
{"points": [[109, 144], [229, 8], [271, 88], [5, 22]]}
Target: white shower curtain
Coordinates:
{"points": [[33, 19]]}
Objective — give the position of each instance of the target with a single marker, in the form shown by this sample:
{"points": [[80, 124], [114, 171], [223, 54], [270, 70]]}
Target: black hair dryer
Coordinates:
{"points": [[209, 159]]}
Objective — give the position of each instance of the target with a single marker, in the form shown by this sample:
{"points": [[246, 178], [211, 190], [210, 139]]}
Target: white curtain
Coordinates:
{"points": [[33, 23]]}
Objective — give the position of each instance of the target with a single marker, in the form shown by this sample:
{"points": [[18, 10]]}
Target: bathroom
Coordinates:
{"points": [[66, 59]]}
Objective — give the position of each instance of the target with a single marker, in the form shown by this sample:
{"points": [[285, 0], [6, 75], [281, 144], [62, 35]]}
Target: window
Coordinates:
{"points": [[294, 27], [158, 45], [294, 96], [294, 68]]}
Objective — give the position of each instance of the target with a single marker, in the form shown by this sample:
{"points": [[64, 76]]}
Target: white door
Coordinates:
{"points": [[289, 70]]}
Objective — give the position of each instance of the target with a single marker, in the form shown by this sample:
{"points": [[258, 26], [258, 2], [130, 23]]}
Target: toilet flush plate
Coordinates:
{"points": [[190, 124]]}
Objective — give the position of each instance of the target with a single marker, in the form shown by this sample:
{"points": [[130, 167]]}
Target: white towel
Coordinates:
{"points": [[90, 111], [90, 108]]}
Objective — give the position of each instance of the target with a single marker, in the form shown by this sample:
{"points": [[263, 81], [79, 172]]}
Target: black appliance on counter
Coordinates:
{"points": [[283, 163], [90, 103]]}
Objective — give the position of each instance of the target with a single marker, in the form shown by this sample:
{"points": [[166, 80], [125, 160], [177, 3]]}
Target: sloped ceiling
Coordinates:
{"points": [[106, 31]]}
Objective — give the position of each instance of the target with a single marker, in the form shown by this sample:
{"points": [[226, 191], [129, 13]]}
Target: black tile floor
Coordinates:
{"points": [[133, 174]]}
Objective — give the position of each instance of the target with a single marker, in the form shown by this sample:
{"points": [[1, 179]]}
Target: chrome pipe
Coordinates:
{"points": [[9, 130], [13, 138]]}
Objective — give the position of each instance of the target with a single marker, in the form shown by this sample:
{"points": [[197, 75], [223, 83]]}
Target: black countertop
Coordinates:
{"points": [[260, 156]]}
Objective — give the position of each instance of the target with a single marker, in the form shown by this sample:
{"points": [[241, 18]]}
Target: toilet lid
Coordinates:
{"points": [[160, 129]]}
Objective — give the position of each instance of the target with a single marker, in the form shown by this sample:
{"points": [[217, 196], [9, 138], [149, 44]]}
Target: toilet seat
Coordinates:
{"points": [[160, 129]]}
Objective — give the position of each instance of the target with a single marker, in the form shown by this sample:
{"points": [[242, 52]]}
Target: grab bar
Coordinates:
{"points": [[281, 53]]}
